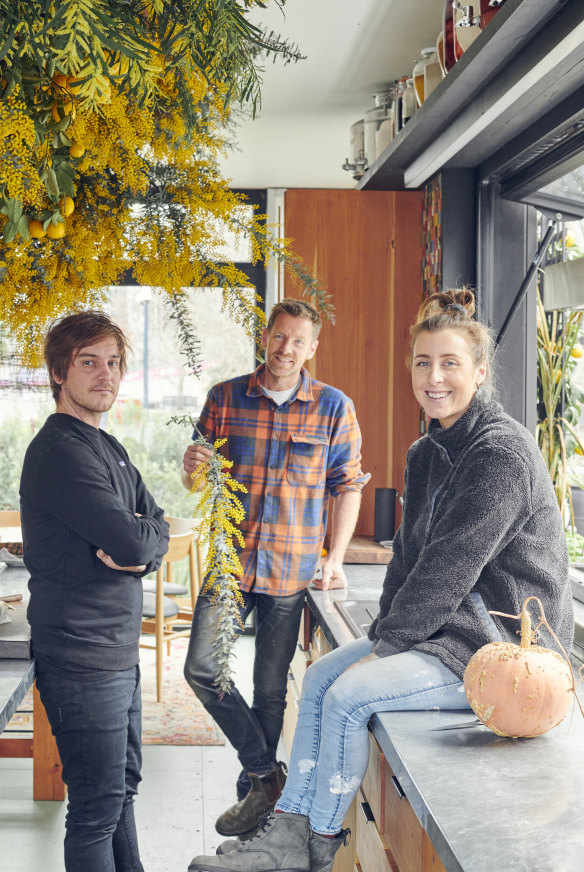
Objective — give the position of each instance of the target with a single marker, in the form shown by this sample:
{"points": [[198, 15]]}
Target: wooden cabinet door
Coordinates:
{"points": [[366, 247]]}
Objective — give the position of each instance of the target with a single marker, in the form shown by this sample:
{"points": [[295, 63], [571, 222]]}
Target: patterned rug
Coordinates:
{"points": [[179, 719]]}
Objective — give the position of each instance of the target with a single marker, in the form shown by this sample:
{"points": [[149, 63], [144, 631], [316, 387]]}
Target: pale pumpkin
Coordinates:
{"points": [[519, 690]]}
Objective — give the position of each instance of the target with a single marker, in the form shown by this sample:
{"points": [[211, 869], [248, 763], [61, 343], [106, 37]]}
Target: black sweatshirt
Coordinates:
{"points": [[79, 492], [481, 531]]}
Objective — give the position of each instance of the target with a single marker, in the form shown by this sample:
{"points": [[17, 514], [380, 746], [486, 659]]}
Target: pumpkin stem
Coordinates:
{"points": [[526, 638], [525, 627]]}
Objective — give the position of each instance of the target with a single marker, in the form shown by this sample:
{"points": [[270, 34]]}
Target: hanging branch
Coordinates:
{"points": [[221, 511], [189, 344], [277, 250]]}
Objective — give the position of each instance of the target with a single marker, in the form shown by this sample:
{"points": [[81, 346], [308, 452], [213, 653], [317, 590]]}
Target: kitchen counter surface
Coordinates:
{"points": [[487, 803], [16, 676]]}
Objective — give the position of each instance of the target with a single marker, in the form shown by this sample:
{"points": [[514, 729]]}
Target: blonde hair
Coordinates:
{"points": [[453, 309]]}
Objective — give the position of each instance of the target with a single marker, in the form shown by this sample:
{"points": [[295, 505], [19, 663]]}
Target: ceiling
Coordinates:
{"points": [[300, 137]]}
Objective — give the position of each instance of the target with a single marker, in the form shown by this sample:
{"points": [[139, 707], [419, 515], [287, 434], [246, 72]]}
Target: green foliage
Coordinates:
{"points": [[188, 342], [120, 41], [557, 352], [15, 434], [575, 546], [157, 451]]}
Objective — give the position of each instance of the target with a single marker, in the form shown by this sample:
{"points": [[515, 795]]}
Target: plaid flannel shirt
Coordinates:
{"points": [[290, 458]]}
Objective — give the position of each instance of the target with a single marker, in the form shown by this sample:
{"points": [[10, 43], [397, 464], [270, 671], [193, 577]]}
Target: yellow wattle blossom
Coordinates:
{"points": [[144, 201], [18, 174], [221, 511], [129, 123]]}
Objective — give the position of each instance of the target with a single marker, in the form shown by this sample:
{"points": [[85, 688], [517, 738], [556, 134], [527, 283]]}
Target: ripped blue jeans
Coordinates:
{"points": [[330, 751]]}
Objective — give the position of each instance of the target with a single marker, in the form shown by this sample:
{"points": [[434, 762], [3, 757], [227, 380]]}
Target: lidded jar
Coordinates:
{"points": [[373, 118], [426, 56]]}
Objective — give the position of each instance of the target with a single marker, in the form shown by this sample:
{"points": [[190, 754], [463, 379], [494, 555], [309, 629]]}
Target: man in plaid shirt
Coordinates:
{"points": [[294, 442]]}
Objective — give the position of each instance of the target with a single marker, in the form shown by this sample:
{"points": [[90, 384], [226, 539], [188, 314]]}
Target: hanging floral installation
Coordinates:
{"points": [[112, 118], [113, 115]]}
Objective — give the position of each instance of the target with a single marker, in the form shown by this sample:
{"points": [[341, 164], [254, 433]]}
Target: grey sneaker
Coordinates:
{"points": [[280, 845]]}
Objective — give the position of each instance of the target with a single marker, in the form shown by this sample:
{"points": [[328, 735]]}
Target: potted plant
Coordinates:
{"points": [[560, 398]]}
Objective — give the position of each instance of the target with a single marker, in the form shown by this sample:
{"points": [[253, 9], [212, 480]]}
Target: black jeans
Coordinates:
{"points": [[253, 731], [96, 720]]}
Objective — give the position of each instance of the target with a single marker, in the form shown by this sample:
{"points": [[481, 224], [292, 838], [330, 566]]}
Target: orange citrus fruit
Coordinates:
{"points": [[77, 150], [74, 85], [56, 231], [64, 109], [35, 229], [67, 206]]}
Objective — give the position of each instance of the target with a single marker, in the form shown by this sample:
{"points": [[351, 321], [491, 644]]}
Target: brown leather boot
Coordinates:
{"points": [[244, 815]]}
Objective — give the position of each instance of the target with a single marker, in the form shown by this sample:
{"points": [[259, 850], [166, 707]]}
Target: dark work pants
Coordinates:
{"points": [[253, 731], [96, 720]]}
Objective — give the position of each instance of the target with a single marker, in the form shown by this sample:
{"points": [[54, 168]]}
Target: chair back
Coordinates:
{"points": [[180, 525], [162, 612], [179, 545]]}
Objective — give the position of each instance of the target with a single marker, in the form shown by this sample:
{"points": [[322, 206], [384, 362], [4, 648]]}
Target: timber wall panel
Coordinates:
{"points": [[366, 247]]}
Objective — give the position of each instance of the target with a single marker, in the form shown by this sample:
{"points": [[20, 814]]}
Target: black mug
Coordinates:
{"points": [[384, 517]]}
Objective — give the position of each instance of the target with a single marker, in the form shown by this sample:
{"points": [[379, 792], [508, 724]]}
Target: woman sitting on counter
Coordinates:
{"points": [[481, 530]]}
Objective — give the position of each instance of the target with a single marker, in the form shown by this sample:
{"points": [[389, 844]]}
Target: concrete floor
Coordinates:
{"points": [[184, 790]]}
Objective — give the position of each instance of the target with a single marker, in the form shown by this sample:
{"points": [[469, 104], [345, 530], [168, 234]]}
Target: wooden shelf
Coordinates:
{"points": [[516, 39], [363, 549]]}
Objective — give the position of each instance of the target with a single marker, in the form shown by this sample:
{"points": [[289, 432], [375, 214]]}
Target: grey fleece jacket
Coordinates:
{"points": [[481, 530]]}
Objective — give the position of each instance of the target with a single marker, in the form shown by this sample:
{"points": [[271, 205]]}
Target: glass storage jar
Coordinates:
{"points": [[373, 118], [433, 74], [418, 72], [383, 136]]}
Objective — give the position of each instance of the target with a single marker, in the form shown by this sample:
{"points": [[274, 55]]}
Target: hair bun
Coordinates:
{"points": [[456, 307], [454, 303]]}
